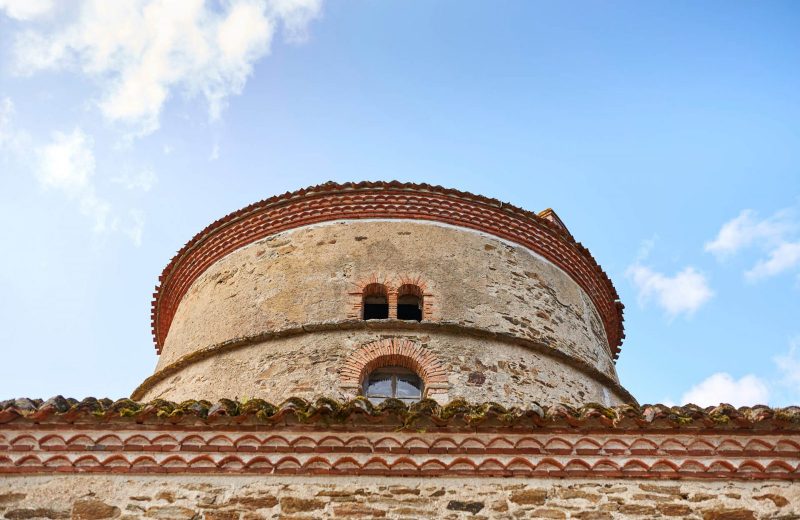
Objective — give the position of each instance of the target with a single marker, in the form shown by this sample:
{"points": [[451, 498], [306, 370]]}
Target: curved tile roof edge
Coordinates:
{"points": [[161, 319], [457, 414]]}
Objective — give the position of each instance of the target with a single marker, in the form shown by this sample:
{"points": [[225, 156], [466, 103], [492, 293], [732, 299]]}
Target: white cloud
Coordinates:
{"points": [[13, 141], [67, 162], [136, 228], [26, 9], [745, 230], [789, 366], [783, 257], [6, 114], [142, 51], [214, 152], [67, 165], [723, 388], [773, 236], [295, 15], [143, 180], [683, 293]]}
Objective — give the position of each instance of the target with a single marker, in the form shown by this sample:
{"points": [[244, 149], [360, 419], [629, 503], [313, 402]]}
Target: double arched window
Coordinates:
{"points": [[407, 302]]}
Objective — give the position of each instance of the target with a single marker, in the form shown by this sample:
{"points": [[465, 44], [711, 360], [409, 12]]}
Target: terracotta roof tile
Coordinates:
{"points": [[394, 414]]}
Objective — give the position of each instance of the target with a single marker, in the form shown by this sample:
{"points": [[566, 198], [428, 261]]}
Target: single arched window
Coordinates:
{"points": [[376, 302], [409, 302], [397, 382]]}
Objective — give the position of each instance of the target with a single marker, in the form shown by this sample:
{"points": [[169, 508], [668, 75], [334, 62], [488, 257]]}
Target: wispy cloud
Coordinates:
{"points": [[142, 52], [774, 236], [25, 10], [723, 388], [13, 141], [67, 165], [135, 228], [142, 180], [783, 257], [789, 366], [683, 293], [746, 230], [6, 113]]}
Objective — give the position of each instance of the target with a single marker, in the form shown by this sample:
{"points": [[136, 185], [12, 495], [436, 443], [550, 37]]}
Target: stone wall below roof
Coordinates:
{"points": [[201, 497], [310, 274], [308, 365]]}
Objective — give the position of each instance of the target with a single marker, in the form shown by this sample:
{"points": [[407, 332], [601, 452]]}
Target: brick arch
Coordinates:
{"points": [[392, 286], [394, 352], [416, 285], [371, 285]]}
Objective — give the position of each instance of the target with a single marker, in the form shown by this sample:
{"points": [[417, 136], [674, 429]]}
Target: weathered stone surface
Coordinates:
{"points": [[729, 514], [170, 513], [636, 509], [11, 498], [93, 510], [169, 496], [39, 512], [261, 497], [221, 515], [255, 502], [548, 513], [275, 284], [357, 511], [400, 490], [534, 497], [570, 494], [674, 509], [472, 507], [299, 505], [667, 490], [778, 500], [592, 515]]}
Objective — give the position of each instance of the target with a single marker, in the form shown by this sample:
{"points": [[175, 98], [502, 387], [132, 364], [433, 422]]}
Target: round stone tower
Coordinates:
{"points": [[386, 289]]}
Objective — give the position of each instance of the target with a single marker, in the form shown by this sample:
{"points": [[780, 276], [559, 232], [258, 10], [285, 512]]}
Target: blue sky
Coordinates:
{"points": [[665, 134]]}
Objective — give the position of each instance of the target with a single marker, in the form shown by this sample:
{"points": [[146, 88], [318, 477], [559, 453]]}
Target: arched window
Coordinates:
{"points": [[376, 302], [409, 302], [397, 382]]}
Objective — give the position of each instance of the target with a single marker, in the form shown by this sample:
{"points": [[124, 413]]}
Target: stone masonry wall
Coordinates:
{"points": [[94, 497], [308, 276], [309, 365]]}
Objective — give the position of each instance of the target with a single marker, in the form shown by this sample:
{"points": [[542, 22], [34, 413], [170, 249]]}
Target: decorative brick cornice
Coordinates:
{"points": [[384, 200], [355, 438], [393, 352]]}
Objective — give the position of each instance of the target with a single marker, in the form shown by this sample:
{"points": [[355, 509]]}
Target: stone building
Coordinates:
{"points": [[390, 350]]}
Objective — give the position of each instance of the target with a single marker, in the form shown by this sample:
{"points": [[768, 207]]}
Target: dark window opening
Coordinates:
{"points": [[399, 383], [376, 308], [409, 307]]}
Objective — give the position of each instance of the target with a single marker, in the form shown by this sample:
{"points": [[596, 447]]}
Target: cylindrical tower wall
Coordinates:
{"points": [[310, 365], [280, 317]]}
